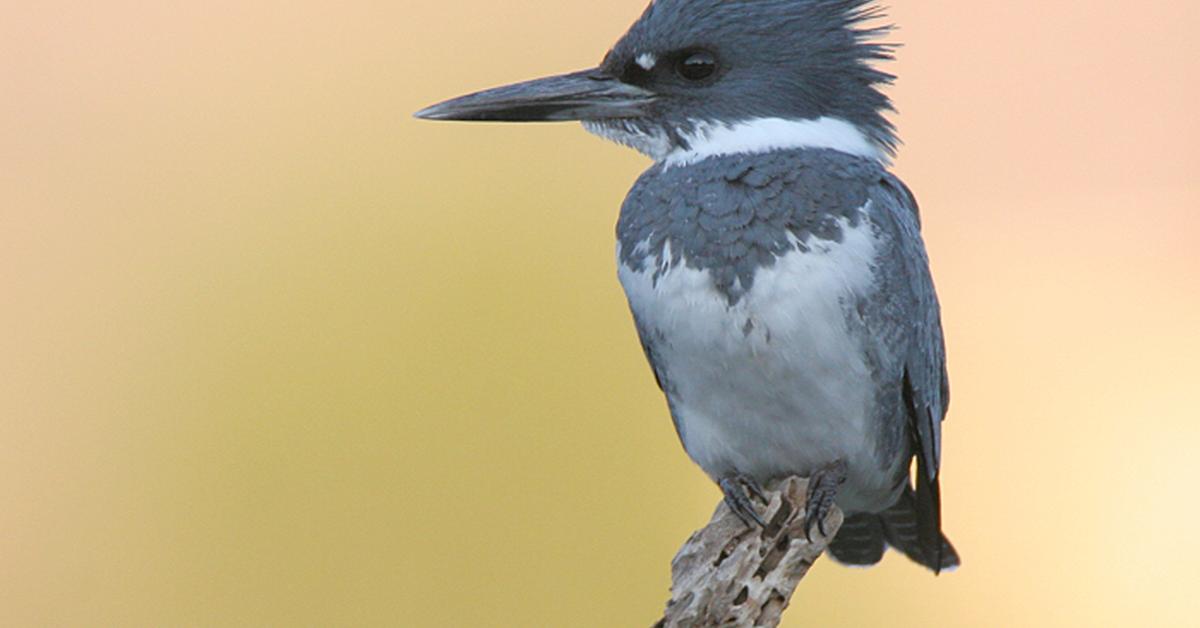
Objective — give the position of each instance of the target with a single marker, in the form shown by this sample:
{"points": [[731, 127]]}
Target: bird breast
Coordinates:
{"points": [[778, 381]]}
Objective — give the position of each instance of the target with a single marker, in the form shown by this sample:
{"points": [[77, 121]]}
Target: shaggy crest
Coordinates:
{"points": [[790, 59]]}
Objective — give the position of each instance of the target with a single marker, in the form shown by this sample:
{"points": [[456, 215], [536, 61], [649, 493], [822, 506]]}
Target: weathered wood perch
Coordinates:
{"points": [[730, 575]]}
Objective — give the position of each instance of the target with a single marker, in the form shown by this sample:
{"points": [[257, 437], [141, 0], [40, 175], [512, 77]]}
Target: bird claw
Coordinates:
{"points": [[822, 489], [739, 502]]}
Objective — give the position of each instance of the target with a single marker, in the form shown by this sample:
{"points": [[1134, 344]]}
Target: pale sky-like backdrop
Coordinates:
{"points": [[274, 353]]}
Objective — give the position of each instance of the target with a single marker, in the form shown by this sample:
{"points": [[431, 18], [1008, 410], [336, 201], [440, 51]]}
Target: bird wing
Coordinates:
{"points": [[926, 384], [917, 333], [649, 347], [644, 335]]}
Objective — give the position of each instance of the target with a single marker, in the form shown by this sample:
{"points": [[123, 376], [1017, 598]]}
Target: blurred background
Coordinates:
{"points": [[275, 353]]}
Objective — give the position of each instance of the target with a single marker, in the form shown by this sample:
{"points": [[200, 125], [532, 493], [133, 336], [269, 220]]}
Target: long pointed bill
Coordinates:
{"points": [[587, 95]]}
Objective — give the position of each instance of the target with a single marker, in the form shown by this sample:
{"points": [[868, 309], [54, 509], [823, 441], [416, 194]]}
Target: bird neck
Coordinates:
{"points": [[761, 135]]}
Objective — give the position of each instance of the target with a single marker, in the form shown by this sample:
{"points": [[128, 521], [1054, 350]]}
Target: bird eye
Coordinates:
{"points": [[697, 66]]}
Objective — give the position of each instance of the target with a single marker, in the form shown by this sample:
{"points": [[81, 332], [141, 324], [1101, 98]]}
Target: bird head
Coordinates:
{"points": [[693, 78]]}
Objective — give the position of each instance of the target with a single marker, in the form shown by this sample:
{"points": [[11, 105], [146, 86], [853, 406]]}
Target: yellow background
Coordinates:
{"points": [[274, 353]]}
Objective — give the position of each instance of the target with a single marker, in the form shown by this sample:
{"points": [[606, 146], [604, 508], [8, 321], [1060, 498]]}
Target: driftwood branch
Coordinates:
{"points": [[730, 575]]}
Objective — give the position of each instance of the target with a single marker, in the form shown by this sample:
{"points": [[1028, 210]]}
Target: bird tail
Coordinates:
{"points": [[863, 537]]}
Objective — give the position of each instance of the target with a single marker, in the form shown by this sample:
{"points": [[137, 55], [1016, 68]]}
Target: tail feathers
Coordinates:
{"points": [[859, 541], [920, 540], [863, 537]]}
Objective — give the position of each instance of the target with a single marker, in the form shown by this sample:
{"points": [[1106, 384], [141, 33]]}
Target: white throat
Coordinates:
{"points": [[763, 135]]}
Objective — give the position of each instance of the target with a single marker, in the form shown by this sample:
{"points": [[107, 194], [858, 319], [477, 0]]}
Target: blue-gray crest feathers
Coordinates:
{"points": [[794, 59]]}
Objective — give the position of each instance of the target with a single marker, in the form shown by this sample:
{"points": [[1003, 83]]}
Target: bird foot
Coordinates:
{"points": [[739, 502], [822, 489]]}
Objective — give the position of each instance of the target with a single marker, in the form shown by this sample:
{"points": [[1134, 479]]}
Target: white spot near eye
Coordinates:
{"points": [[646, 60]]}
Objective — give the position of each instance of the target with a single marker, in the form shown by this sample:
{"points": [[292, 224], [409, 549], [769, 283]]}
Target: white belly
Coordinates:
{"points": [[776, 383]]}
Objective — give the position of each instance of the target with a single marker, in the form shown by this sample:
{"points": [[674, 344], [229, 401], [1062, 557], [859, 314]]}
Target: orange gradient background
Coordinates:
{"points": [[275, 353]]}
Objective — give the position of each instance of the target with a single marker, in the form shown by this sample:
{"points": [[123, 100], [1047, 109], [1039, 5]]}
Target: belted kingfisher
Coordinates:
{"points": [[774, 267]]}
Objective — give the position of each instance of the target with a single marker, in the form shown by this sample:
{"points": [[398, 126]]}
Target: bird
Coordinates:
{"points": [[773, 263]]}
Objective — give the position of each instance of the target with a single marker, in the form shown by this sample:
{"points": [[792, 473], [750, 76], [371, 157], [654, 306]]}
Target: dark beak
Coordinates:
{"points": [[587, 95]]}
